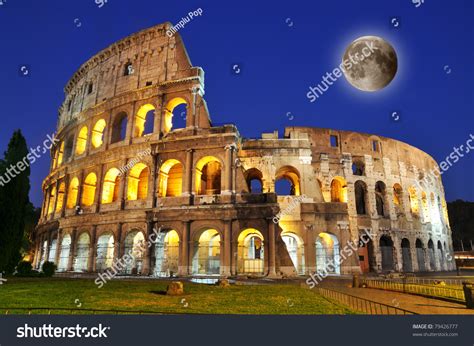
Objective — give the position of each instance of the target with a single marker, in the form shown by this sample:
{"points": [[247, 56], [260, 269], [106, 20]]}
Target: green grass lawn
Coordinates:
{"points": [[148, 296]]}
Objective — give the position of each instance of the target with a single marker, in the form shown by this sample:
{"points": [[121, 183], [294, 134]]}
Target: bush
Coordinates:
{"points": [[24, 268], [49, 268]]}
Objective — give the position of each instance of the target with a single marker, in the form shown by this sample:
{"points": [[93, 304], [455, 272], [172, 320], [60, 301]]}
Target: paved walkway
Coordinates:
{"points": [[418, 304]]}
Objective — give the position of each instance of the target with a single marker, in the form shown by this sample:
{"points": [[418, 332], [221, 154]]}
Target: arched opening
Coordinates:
{"points": [[97, 137], [413, 197], [68, 148], [406, 256], [105, 252], [64, 252], [82, 253], [254, 179], [398, 197], [110, 190], [386, 249], [167, 254], [327, 254], [52, 199], [367, 261], [81, 141], [59, 155], [250, 252], [338, 190], [144, 121], [138, 182], [295, 247], [358, 167], [442, 263], [431, 255], [60, 199], [171, 179], [175, 114], [207, 252], [52, 251], [360, 189], [287, 182], [424, 205], [43, 253], [380, 197], [88, 190], [119, 128], [134, 247], [208, 176], [420, 255], [72, 193]]}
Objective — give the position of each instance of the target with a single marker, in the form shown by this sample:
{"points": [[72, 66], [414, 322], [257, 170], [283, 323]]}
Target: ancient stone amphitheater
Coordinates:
{"points": [[139, 155]]}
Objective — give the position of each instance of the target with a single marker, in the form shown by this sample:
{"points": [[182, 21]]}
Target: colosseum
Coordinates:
{"points": [[139, 155]]}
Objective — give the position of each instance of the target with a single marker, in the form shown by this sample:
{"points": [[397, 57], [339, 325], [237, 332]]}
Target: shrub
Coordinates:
{"points": [[49, 268], [24, 268]]}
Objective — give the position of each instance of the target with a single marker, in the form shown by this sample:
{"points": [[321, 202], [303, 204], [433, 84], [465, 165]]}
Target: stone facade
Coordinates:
{"points": [[124, 172]]}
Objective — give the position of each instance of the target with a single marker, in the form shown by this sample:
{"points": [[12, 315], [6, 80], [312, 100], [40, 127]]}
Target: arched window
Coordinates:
{"points": [[128, 69], [420, 255], [138, 182], [98, 133], [254, 180], [206, 259], [208, 176], [88, 190], [81, 142], [413, 197], [167, 254], [295, 247], [360, 189], [380, 199], [82, 253], [339, 190], [119, 128], [174, 115], [250, 252], [72, 193], [60, 199], [64, 251], [134, 245], [397, 195], [406, 256], [105, 251], [60, 154], [52, 198], [327, 254], [386, 248], [144, 120], [110, 189], [291, 178], [171, 179]]}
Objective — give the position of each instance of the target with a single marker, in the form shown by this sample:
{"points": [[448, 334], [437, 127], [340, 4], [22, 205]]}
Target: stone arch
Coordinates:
{"points": [[60, 197], [110, 189], [97, 137], [339, 190], [441, 256], [413, 198], [327, 253], [295, 247], [59, 155], [64, 252], [386, 249], [290, 174], [358, 167], [134, 248], [398, 197], [171, 178], [166, 253], [406, 256], [137, 186], [431, 255], [119, 128], [380, 199], [52, 199], [360, 190], [206, 259], [144, 120], [68, 148], [105, 251], [72, 193], [88, 190], [168, 113], [208, 176], [254, 179], [420, 255], [81, 142], [250, 258], [81, 258]]}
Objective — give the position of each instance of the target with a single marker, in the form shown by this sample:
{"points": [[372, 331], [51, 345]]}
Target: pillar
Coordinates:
{"points": [[72, 250], [188, 173], [183, 266], [272, 248], [227, 262], [147, 253], [92, 250], [228, 170]]}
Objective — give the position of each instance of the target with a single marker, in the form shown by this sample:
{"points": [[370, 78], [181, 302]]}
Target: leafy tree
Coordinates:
{"points": [[13, 201]]}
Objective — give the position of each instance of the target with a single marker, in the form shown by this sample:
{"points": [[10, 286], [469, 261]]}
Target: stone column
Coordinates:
{"points": [[98, 190], [72, 250], [183, 265], [147, 252], [118, 242], [66, 190], [123, 183], [58, 246], [188, 173], [227, 262], [228, 169], [272, 249], [80, 188], [92, 250]]}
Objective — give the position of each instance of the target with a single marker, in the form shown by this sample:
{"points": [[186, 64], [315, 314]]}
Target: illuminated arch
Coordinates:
{"points": [[138, 182], [397, 195], [254, 179], [413, 197], [135, 247], [60, 155], [105, 251], [111, 186], [339, 190], [360, 190], [60, 199], [170, 179], [52, 198], [250, 252], [144, 120], [292, 175], [81, 141], [97, 137], [206, 259], [81, 259], [295, 247], [208, 176], [170, 106], [327, 253], [166, 254], [72, 193], [88, 190], [64, 252]]}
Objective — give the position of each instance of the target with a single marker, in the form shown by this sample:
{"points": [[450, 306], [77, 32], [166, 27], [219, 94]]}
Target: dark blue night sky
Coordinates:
{"points": [[283, 47]]}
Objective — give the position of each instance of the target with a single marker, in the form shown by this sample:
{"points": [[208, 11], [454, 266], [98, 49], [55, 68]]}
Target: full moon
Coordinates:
{"points": [[370, 63]]}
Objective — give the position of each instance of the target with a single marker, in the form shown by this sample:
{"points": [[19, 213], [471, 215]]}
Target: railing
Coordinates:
{"points": [[426, 281], [413, 288], [76, 311], [363, 305]]}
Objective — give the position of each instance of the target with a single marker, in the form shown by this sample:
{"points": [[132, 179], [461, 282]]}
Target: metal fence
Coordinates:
{"points": [[429, 290], [427, 281], [363, 305]]}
